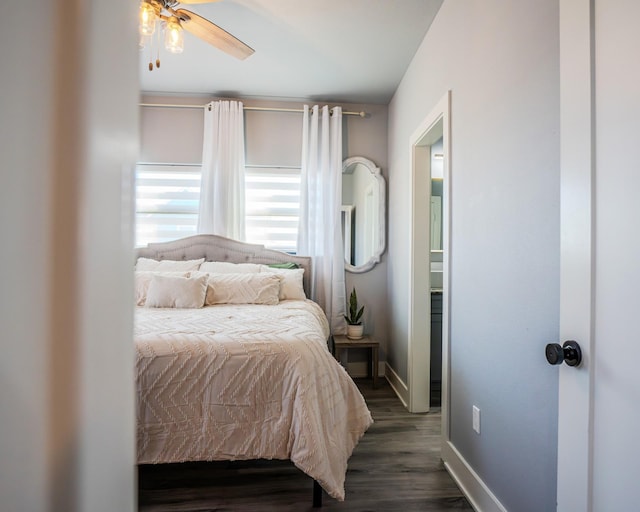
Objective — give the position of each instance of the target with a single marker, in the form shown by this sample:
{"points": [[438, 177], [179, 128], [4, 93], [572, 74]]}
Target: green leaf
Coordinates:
{"points": [[354, 314]]}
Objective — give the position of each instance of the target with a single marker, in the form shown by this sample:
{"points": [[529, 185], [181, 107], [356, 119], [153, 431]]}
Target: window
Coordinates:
{"points": [[167, 197], [272, 206]]}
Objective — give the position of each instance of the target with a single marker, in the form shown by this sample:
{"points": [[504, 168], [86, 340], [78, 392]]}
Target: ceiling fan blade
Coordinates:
{"points": [[198, 1], [213, 34]]}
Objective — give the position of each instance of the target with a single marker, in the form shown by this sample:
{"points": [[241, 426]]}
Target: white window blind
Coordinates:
{"points": [[167, 197], [272, 206]]}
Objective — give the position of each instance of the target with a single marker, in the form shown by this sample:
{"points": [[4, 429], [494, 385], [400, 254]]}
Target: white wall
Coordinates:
{"points": [[275, 138], [67, 140], [500, 60]]}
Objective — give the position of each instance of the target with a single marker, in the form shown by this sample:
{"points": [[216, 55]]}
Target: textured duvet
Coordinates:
{"points": [[245, 382]]}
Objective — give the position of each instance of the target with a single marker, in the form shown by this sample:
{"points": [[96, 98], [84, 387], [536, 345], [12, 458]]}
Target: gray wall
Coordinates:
{"points": [[500, 60], [169, 135]]}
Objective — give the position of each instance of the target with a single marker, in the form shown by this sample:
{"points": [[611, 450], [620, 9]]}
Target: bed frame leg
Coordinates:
{"points": [[317, 495]]}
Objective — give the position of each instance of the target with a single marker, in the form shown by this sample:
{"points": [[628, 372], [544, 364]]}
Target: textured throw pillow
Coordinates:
{"points": [[168, 265], [176, 292], [247, 288], [142, 280], [291, 287], [226, 267]]}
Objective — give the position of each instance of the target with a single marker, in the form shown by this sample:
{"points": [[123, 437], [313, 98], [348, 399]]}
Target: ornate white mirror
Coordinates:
{"points": [[363, 213]]}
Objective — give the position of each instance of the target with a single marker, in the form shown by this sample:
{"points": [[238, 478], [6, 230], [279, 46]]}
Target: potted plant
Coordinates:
{"points": [[354, 317]]}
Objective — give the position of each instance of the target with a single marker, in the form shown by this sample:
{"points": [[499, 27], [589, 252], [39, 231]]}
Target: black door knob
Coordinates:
{"points": [[569, 352]]}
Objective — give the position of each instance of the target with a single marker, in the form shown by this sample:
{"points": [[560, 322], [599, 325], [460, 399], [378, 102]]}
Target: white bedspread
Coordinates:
{"points": [[245, 382]]}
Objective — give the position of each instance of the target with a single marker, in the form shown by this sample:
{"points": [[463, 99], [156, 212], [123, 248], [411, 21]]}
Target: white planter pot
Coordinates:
{"points": [[354, 332]]}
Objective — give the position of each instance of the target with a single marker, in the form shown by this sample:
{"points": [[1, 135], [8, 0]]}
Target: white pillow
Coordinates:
{"points": [[142, 279], [176, 292], [291, 287], [168, 265], [226, 267], [248, 288]]}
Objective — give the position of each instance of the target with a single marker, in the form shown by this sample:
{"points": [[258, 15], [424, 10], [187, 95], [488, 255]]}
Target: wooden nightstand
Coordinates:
{"points": [[340, 342]]}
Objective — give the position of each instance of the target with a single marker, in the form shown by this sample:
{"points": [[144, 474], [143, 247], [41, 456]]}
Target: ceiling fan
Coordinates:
{"points": [[174, 19]]}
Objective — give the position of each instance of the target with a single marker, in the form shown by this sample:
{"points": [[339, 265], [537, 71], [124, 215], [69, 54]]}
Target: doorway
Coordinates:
{"points": [[429, 262], [436, 254]]}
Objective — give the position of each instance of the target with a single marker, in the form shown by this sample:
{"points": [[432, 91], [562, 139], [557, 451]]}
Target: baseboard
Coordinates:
{"points": [[361, 369], [476, 491], [401, 389]]}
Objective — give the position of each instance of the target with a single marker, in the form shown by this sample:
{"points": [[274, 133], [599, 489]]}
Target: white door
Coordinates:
{"points": [[599, 402]]}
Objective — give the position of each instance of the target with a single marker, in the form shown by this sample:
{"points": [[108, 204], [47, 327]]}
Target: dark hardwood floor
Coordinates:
{"points": [[395, 467]]}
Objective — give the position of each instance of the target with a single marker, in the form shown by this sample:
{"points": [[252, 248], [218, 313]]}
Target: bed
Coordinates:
{"points": [[241, 381]]}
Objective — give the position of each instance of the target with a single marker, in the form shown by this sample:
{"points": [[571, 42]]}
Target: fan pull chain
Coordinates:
{"points": [[158, 48], [156, 37], [150, 53]]}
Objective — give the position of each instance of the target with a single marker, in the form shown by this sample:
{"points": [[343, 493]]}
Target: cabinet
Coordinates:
{"points": [[436, 347]]}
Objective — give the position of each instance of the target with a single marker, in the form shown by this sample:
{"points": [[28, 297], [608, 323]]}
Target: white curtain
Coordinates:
{"points": [[320, 230], [222, 186]]}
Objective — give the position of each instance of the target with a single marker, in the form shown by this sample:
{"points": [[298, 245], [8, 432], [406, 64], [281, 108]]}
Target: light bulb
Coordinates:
{"points": [[148, 18], [173, 36]]}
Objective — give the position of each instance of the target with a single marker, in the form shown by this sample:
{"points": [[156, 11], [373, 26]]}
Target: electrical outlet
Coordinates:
{"points": [[476, 419]]}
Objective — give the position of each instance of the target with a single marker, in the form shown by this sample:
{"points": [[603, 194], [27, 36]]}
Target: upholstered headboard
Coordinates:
{"points": [[218, 248]]}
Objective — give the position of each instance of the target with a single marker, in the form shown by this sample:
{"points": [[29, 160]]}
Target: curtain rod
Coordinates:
{"points": [[263, 109]]}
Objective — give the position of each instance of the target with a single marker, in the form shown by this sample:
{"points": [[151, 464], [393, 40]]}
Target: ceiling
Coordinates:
{"points": [[353, 51]]}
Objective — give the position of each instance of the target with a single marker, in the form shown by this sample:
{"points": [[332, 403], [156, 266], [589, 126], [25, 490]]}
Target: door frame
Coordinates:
{"points": [[419, 357], [577, 299]]}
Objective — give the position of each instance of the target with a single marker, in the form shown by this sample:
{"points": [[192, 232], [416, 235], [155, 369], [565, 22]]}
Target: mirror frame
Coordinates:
{"points": [[382, 214]]}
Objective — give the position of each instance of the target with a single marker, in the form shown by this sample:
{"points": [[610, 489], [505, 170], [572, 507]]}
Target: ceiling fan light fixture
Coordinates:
{"points": [[174, 35], [172, 21], [148, 18]]}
